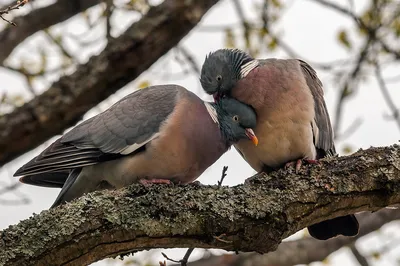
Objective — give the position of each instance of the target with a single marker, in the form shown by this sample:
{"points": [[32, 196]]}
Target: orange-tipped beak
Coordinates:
{"points": [[250, 134]]}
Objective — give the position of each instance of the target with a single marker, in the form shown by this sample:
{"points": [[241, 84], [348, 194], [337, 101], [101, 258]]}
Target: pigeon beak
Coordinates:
{"points": [[250, 134]]}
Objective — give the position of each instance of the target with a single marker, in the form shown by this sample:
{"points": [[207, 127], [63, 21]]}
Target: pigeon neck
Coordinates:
{"points": [[221, 119]]}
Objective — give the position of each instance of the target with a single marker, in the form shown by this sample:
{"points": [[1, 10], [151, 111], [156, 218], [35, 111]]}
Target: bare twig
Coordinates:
{"points": [[390, 50], [386, 95], [342, 10], [359, 257], [224, 170], [219, 238], [245, 24], [17, 5], [13, 188], [346, 88], [39, 73], [168, 258], [22, 201], [8, 188], [190, 59], [183, 261], [108, 13], [350, 130], [60, 45]]}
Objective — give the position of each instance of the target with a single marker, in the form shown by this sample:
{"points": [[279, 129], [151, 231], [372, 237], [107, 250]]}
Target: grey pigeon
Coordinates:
{"points": [[159, 134], [293, 123]]}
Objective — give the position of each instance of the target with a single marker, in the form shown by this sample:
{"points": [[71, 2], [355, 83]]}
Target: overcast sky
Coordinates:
{"points": [[307, 27]]}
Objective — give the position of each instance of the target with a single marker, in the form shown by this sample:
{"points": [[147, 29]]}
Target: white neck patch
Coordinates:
{"points": [[212, 112], [246, 68]]}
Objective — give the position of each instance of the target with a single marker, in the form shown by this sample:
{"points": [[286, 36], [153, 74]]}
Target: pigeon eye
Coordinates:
{"points": [[236, 118], [219, 78]]}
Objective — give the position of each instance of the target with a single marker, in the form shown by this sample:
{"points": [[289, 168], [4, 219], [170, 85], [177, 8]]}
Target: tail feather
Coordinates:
{"points": [[63, 197], [344, 225], [52, 180]]}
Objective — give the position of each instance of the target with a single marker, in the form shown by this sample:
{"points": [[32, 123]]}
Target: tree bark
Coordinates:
{"points": [[305, 250], [124, 58], [255, 216]]}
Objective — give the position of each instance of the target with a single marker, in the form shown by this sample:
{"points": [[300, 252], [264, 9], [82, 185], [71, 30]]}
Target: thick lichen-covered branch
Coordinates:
{"points": [[124, 59], [305, 250], [255, 216]]}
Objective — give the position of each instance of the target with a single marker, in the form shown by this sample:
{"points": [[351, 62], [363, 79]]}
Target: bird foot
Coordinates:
{"points": [[148, 182], [298, 163]]}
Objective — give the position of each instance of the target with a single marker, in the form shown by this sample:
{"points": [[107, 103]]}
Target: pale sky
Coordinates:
{"points": [[309, 28]]}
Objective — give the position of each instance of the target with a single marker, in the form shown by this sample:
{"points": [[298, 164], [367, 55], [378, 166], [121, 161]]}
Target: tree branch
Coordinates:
{"points": [[255, 216], [38, 20], [305, 250], [124, 58], [7, 10]]}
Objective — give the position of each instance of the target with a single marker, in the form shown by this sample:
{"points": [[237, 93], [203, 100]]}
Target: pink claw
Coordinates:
{"points": [[298, 163]]}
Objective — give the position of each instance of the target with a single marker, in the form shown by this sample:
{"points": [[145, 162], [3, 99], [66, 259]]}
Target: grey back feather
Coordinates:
{"points": [[131, 121]]}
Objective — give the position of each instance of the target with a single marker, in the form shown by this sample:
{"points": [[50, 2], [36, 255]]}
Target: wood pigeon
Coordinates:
{"points": [[155, 135], [292, 119]]}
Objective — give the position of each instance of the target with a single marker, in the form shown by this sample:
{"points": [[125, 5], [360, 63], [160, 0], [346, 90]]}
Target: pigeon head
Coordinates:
{"points": [[237, 120], [222, 69]]}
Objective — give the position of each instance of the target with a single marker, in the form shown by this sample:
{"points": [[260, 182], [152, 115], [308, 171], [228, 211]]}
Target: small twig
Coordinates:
{"points": [[183, 261], [224, 170], [347, 86], [168, 258], [59, 44], [246, 26], [350, 130], [359, 257], [39, 73], [342, 10], [108, 12], [8, 188], [387, 49], [19, 4], [219, 238], [190, 59], [386, 95]]}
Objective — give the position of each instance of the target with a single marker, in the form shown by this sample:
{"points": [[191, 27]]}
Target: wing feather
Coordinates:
{"points": [[322, 129], [123, 129]]}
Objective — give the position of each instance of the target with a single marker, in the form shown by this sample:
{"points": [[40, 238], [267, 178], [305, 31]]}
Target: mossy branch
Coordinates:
{"points": [[255, 216]]}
